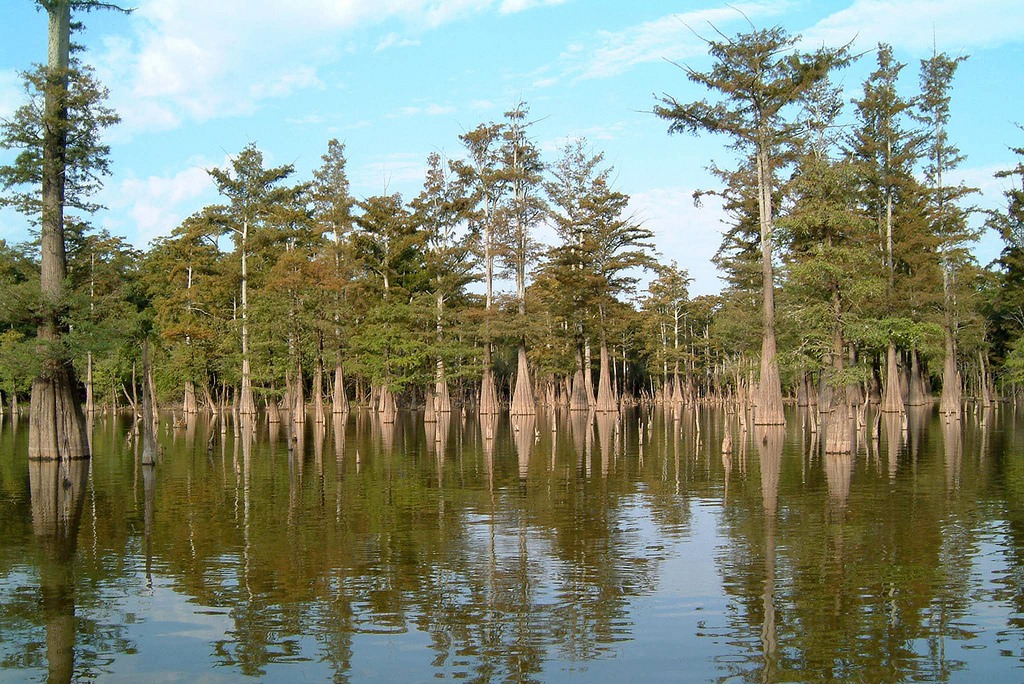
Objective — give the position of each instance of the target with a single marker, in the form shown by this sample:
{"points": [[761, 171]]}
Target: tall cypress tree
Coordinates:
{"points": [[756, 77], [947, 217], [63, 157]]}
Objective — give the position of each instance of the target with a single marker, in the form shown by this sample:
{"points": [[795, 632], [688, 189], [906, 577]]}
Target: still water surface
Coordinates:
{"points": [[561, 548]]}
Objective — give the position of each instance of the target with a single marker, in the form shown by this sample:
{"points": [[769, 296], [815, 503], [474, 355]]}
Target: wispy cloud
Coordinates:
{"points": [[917, 25], [194, 60], [513, 6], [157, 204], [689, 234], [673, 37], [393, 40]]}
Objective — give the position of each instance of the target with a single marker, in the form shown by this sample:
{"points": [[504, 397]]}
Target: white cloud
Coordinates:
{"points": [[157, 204], [683, 233], [673, 37], [513, 6], [393, 40], [916, 25], [197, 60]]}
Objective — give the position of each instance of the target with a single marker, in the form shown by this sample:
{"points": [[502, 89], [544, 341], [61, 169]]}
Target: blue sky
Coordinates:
{"points": [[196, 80]]}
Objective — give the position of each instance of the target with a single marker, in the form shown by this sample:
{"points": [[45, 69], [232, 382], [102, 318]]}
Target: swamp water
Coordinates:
{"points": [[561, 548]]}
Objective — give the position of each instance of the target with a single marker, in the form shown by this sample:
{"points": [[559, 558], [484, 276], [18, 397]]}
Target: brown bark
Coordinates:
{"points": [[148, 413], [188, 404], [578, 398], [952, 384], [892, 399], [606, 402], [916, 395], [442, 398], [298, 399], [318, 394], [488, 392], [523, 400], [387, 406], [340, 404], [57, 427], [768, 400]]}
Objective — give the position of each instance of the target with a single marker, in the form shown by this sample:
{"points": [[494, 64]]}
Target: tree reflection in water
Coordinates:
{"points": [[57, 495], [525, 550]]}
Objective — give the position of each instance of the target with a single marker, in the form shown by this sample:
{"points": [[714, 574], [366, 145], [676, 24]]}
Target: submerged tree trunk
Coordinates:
{"points": [[588, 375], [952, 385], [578, 398], [340, 404], [387, 406], [488, 392], [442, 398], [916, 395], [90, 407], [768, 400], [523, 401], [188, 405], [298, 398], [984, 382], [892, 399], [606, 402], [318, 394], [57, 427], [148, 412]]}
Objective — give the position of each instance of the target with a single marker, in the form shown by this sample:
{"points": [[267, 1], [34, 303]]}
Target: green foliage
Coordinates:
{"points": [[85, 155]]}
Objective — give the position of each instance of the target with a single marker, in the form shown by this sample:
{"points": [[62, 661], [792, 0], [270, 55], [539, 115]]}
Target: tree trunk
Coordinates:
{"points": [[578, 399], [892, 400], [148, 410], [588, 375], [57, 428], [488, 392], [606, 402], [523, 401], [768, 400], [952, 385], [273, 411], [429, 408], [90, 406], [188, 404], [318, 394], [985, 384], [388, 407], [915, 393], [442, 399], [340, 404], [298, 399]]}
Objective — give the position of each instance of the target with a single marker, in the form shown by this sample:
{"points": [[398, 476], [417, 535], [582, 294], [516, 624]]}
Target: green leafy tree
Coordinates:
{"points": [[602, 250], [524, 208], [389, 344], [183, 273], [253, 192], [757, 76], [481, 174], [332, 205], [946, 214], [441, 211], [885, 148], [60, 163]]}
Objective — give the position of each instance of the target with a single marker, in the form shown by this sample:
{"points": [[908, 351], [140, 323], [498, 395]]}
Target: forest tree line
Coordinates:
{"points": [[847, 260]]}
